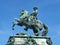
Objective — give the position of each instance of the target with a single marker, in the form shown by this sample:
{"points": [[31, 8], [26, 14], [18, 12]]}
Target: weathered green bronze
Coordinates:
{"points": [[31, 21]]}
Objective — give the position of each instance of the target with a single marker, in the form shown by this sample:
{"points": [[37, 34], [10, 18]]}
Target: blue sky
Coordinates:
{"points": [[49, 13]]}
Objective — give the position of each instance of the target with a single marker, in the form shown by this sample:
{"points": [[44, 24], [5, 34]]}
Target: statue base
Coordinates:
{"points": [[29, 40]]}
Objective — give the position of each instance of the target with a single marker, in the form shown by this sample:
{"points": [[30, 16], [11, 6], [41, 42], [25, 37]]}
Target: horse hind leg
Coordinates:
{"points": [[36, 31], [36, 34], [44, 33]]}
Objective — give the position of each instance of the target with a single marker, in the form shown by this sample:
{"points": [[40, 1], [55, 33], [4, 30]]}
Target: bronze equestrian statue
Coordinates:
{"points": [[30, 21]]}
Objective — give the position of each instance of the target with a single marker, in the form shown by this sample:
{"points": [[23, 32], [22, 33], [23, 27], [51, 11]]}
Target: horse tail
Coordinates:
{"points": [[45, 30]]}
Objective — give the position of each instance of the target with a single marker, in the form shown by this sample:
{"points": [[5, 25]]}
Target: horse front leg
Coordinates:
{"points": [[15, 22], [13, 26]]}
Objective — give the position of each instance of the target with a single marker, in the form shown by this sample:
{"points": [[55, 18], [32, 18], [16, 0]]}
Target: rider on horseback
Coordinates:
{"points": [[35, 12], [33, 17], [31, 21]]}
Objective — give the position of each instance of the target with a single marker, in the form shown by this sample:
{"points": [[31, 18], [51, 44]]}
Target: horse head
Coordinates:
{"points": [[22, 20], [24, 13]]}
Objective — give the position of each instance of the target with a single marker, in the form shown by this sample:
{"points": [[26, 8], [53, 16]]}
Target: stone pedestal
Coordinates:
{"points": [[29, 40]]}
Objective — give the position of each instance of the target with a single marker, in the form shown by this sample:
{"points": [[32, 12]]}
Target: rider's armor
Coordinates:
{"points": [[32, 20], [33, 16]]}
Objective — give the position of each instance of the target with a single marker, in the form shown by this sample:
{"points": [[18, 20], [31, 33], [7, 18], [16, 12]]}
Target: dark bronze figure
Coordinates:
{"points": [[31, 21]]}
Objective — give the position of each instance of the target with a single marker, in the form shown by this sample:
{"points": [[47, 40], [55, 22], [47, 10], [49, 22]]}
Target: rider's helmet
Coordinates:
{"points": [[35, 11], [35, 8]]}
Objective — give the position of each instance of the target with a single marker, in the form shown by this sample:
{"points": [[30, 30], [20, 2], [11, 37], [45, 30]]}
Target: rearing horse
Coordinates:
{"points": [[29, 22]]}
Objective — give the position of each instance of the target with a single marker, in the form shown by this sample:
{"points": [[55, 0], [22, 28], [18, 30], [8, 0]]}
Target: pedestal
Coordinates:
{"points": [[28, 40]]}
